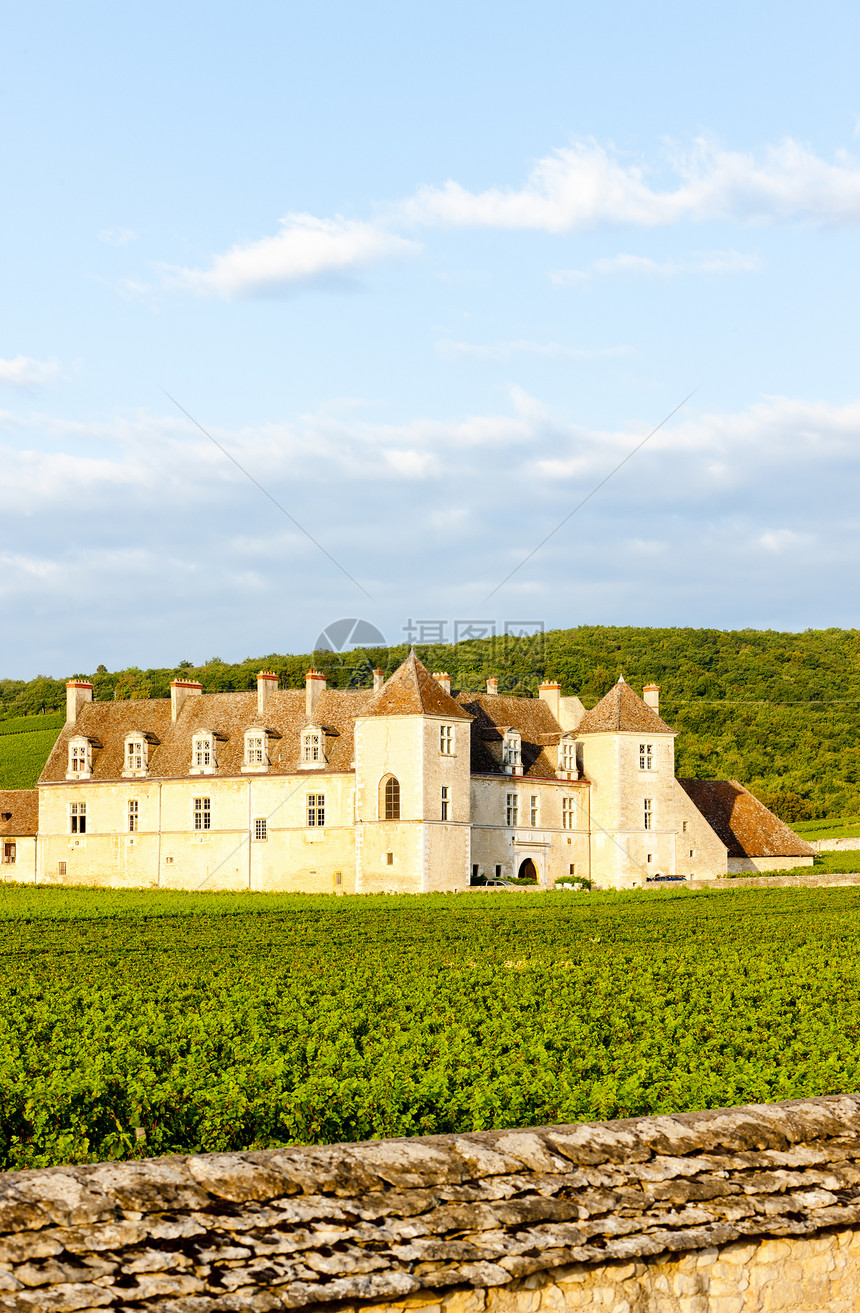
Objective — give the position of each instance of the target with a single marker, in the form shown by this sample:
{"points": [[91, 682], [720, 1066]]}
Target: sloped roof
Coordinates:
{"points": [[745, 825], [621, 709], [412, 691], [23, 806], [494, 714], [227, 715]]}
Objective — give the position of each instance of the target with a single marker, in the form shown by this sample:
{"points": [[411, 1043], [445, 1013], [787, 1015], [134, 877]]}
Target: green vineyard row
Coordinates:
{"points": [[155, 1023]]}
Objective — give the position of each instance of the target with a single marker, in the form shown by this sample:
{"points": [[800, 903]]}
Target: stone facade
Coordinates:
{"points": [[741, 1210], [291, 790]]}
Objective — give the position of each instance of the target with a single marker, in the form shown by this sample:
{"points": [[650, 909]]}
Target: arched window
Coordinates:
{"points": [[391, 799]]}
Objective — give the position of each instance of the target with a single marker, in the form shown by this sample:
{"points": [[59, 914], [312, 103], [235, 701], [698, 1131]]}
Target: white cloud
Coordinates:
{"points": [[428, 514], [504, 350], [117, 236], [23, 372], [783, 540], [587, 185], [702, 262], [306, 249]]}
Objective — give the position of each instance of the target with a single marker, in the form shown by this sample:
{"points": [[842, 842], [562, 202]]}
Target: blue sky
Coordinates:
{"points": [[428, 275]]}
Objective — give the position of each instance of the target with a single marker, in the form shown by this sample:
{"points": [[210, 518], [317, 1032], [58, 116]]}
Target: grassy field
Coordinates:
{"points": [[25, 744], [223, 1021]]}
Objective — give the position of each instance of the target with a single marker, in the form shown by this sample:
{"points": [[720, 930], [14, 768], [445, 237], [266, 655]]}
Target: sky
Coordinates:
{"points": [[423, 315]]}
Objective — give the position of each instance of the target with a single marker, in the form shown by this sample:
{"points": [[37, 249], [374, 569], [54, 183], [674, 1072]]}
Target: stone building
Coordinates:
{"points": [[403, 787]]}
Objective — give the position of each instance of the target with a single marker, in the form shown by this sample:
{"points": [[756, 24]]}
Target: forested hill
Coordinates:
{"points": [[776, 711]]}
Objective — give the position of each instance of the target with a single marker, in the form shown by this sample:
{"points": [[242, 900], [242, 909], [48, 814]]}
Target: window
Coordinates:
{"points": [[512, 752], [533, 809], [567, 813], [135, 753], [10, 854], [684, 827], [61, 869], [132, 815], [202, 813], [445, 801], [647, 814], [691, 852], [80, 759], [475, 871], [646, 751], [568, 756], [391, 799], [512, 808], [203, 753], [168, 861], [78, 818], [255, 749], [316, 810], [311, 747], [446, 739], [338, 877], [498, 870], [261, 829], [650, 855], [389, 859]]}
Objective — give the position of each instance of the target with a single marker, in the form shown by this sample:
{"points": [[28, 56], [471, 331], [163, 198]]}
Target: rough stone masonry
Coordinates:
{"points": [[731, 1211]]}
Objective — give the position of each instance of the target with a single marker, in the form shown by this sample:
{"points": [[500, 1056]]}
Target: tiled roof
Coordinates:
{"points": [[23, 808], [226, 715], [412, 691], [743, 823], [494, 715], [621, 709]]}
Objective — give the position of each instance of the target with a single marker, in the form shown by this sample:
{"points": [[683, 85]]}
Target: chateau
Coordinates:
{"points": [[405, 787]]}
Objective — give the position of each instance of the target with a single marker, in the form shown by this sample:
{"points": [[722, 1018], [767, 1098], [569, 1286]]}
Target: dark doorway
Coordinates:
{"points": [[528, 870]]}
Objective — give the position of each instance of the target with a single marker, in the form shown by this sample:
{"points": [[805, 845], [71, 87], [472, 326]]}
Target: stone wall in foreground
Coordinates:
{"points": [[743, 1210]]}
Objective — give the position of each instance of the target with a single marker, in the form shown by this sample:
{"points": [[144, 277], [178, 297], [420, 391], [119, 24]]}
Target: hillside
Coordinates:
{"points": [[778, 711]]}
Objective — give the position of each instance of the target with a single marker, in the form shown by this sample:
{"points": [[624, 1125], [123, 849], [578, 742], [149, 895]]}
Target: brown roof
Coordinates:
{"points": [[412, 691], [22, 805], [494, 715], [621, 709], [226, 715], [743, 823]]}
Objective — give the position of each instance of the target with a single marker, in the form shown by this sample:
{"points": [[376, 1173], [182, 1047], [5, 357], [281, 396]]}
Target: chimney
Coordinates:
{"points": [[180, 689], [77, 693], [378, 679], [551, 695], [267, 684], [314, 685], [651, 697], [442, 677], [492, 684]]}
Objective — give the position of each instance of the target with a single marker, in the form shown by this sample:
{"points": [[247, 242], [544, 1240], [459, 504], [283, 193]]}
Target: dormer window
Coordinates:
{"points": [[256, 750], [567, 758], [312, 748], [203, 753], [80, 759], [136, 755], [512, 753]]}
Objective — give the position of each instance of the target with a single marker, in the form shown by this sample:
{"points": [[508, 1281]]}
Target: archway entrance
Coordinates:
{"points": [[528, 868]]}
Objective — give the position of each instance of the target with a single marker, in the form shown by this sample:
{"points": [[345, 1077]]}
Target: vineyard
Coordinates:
{"points": [[25, 744], [137, 1023]]}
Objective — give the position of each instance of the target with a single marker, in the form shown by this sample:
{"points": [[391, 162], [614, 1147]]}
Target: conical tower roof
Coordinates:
{"points": [[412, 691], [621, 709]]}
